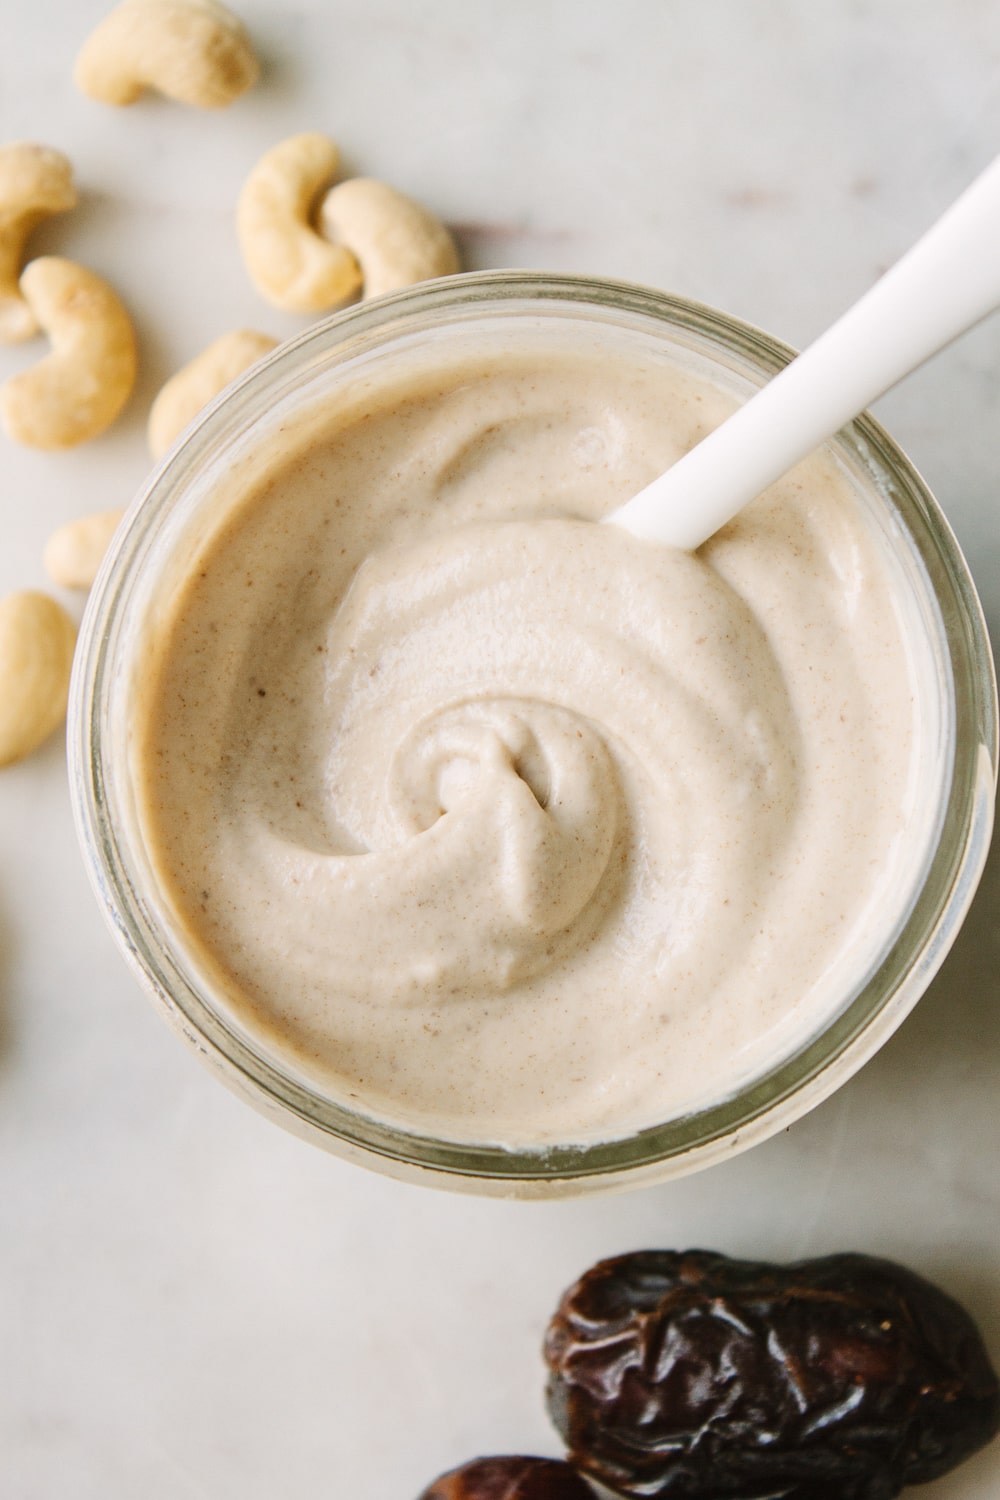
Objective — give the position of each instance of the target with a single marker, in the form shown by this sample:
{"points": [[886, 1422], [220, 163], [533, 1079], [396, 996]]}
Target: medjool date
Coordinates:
{"points": [[513, 1478], [690, 1374]]}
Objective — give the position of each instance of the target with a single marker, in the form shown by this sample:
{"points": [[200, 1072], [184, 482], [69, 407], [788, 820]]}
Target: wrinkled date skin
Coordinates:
{"points": [[690, 1374], [513, 1478]]}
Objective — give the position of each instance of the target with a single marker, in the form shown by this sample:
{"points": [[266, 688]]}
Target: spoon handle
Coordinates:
{"points": [[948, 281]]}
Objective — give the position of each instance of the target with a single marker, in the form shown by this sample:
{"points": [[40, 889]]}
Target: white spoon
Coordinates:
{"points": [[948, 281]]}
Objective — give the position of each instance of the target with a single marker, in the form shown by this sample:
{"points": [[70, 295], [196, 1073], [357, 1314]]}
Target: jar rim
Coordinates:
{"points": [[774, 1099]]}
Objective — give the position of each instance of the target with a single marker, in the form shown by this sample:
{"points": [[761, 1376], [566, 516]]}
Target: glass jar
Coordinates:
{"points": [[153, 550]]}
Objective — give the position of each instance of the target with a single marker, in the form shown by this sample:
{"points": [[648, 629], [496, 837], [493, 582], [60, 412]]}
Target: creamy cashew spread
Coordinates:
{"points": [[498, 824]]}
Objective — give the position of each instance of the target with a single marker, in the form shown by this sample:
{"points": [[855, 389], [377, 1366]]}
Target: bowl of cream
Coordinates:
{"points": [[491, 846]]}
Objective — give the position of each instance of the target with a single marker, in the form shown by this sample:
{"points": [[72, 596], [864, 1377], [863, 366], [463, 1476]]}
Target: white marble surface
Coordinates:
{"points": [[194, 1305]]}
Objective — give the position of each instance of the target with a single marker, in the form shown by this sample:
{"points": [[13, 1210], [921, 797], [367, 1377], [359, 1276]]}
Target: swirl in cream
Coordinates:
{"points": [[504, 824]]}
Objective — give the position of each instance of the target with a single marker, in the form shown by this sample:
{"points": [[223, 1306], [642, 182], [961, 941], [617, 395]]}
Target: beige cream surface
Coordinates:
{"points": [[498, 823]]}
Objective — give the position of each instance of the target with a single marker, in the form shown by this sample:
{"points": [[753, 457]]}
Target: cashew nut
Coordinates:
{"points": [[74, 553], [198, 382], [396, 241], [79, 388], [37, 638], [289, 263], [34, 181], [195, 51]]}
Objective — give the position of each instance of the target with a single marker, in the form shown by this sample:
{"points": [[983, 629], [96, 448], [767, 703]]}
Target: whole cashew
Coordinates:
{"points": [[79, 388], [37, 638], [198, 382], [34, 181], [74, 553], [195, 51], [396, 241], [289, 263]]}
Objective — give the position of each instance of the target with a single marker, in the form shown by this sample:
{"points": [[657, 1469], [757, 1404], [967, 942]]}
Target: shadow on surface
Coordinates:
{"points": [[958, 1015], [940, 1075]]}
